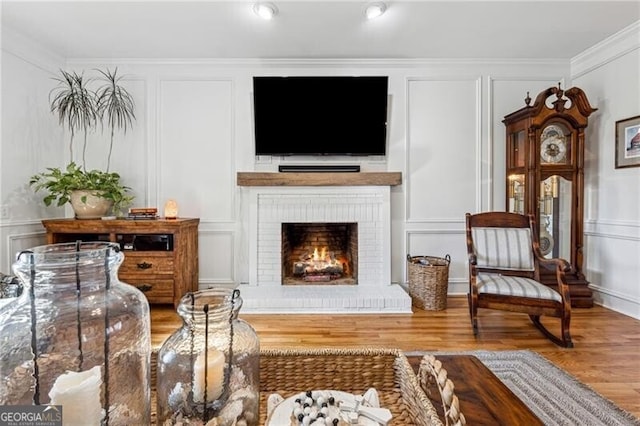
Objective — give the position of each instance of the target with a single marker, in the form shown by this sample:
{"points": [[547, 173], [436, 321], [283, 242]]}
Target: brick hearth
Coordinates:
{"points": [[368, 206]]}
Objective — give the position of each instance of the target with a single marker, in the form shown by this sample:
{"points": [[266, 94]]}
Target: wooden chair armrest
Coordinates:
{"points": [[555, 262], [561, 266]]}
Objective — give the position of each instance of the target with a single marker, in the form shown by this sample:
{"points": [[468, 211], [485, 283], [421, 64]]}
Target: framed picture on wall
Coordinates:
{"points": [[628, 142]]}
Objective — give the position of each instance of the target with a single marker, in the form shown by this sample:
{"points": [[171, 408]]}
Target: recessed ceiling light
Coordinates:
{"points": [[375, 10], [265, 10]]}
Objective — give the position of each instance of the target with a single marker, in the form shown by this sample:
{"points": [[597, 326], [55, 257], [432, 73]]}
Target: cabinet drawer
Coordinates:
{"points": [[156, 291], [147, 264]]}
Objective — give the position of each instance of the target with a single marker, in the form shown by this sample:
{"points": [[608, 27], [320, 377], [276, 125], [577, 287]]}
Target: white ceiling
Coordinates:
{"points": [[319, 29]]}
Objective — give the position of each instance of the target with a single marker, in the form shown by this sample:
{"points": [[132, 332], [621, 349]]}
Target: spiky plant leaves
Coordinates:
{"points": [[75, 105], [115, 104]]}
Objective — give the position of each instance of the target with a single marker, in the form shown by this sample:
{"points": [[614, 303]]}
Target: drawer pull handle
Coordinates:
{"points": [[145, 265], [144, 287]]}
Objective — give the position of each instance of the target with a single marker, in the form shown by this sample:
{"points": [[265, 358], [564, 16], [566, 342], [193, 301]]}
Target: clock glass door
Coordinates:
{"points": [[516, 193], [517, 149], [555, 217]]}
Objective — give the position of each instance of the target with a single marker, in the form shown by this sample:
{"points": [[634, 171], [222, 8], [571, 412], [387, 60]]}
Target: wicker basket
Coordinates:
{"points": [[291, 371], [288, 372], [429, 281]]}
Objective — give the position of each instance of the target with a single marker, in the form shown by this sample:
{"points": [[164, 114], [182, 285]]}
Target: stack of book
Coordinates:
{"points": [[143, 213]]}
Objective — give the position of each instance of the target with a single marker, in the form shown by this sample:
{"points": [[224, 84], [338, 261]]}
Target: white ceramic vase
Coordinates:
{"points": [[88, 205]]}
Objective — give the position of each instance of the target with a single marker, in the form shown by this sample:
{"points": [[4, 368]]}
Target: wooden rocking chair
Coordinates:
{"points": [[504, 272]]}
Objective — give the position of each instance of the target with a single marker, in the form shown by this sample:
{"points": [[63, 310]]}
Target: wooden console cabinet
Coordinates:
{"points": [[161, 256]]}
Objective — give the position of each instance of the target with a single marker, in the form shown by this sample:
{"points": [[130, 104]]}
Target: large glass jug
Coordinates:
{"points": [[77, 337]]}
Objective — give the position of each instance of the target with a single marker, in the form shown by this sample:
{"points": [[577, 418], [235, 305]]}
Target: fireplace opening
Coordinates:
{"points": [[319, 253]]}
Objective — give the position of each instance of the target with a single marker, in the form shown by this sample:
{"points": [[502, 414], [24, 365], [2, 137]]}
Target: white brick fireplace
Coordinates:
{"points": [[368, 206]]}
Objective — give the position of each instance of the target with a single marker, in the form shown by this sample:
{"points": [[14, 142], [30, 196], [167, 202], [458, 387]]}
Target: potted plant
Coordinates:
{"points": [[91, 193]]}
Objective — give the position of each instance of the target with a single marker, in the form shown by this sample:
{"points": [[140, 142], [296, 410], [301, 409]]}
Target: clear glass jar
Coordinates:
{"points": [[210, 367], [77, 337]]}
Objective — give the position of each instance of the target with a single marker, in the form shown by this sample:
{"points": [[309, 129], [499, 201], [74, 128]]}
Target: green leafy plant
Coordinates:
{"points": [[114, 104], [61, 183]]}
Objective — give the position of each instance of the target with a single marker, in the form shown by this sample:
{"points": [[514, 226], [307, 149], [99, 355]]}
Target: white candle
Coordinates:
{"points": [[79, 395], [215, 376]]}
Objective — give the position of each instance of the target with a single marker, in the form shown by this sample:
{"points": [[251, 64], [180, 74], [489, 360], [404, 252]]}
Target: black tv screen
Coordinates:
{"points": [[320, 115]]}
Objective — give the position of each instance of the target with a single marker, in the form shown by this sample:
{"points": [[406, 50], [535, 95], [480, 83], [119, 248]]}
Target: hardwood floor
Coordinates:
{"points": [[606, 355]]}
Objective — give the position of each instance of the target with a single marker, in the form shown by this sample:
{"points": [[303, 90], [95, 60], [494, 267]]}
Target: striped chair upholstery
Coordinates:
{"points": [[503, 248], [504, 269], [515, 286]]}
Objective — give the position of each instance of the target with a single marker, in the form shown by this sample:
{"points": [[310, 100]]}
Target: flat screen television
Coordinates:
{"points": [[310, 115]]}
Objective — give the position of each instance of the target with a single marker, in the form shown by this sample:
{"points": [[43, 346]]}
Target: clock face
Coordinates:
{"points": [[553, 145]]}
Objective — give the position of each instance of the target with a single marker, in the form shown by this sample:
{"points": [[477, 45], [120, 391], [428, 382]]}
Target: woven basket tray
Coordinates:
{"points": [[429, 281], [288, 372]]}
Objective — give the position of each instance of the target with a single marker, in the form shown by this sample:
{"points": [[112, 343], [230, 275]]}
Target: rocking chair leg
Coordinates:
{"points": [[473, 314], [565, 341], [566, 335]]}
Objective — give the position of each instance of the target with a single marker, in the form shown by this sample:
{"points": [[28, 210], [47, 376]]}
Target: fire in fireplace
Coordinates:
{"points": [[319, 253]]}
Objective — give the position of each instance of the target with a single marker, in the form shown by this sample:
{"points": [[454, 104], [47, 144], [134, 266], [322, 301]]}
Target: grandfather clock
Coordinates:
{"points": [[545, 177]]}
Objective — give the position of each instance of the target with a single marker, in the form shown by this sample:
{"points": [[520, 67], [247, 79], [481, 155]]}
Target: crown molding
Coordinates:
{"points": [[320, 62], [606, 51], [27, 49]]}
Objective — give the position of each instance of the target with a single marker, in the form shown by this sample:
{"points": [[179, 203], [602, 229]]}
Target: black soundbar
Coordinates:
{"points": [[319, 168]]}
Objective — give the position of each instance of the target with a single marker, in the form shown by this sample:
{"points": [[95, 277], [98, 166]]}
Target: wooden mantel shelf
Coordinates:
{"points": [[319, 179]]}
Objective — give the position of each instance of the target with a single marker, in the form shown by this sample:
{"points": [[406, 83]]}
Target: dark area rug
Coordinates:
{"points": [[554, 395]]}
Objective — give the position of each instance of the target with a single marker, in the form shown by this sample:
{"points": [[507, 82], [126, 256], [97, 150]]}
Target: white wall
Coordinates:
{"points": [[194, 132], [610, 73], [31, 141]]}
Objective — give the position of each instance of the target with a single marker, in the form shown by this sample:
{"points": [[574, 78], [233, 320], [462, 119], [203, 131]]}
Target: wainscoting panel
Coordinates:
{"points": [[612, 264], [216, 255], [195, 134], [443, 135], [18, 241]]}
